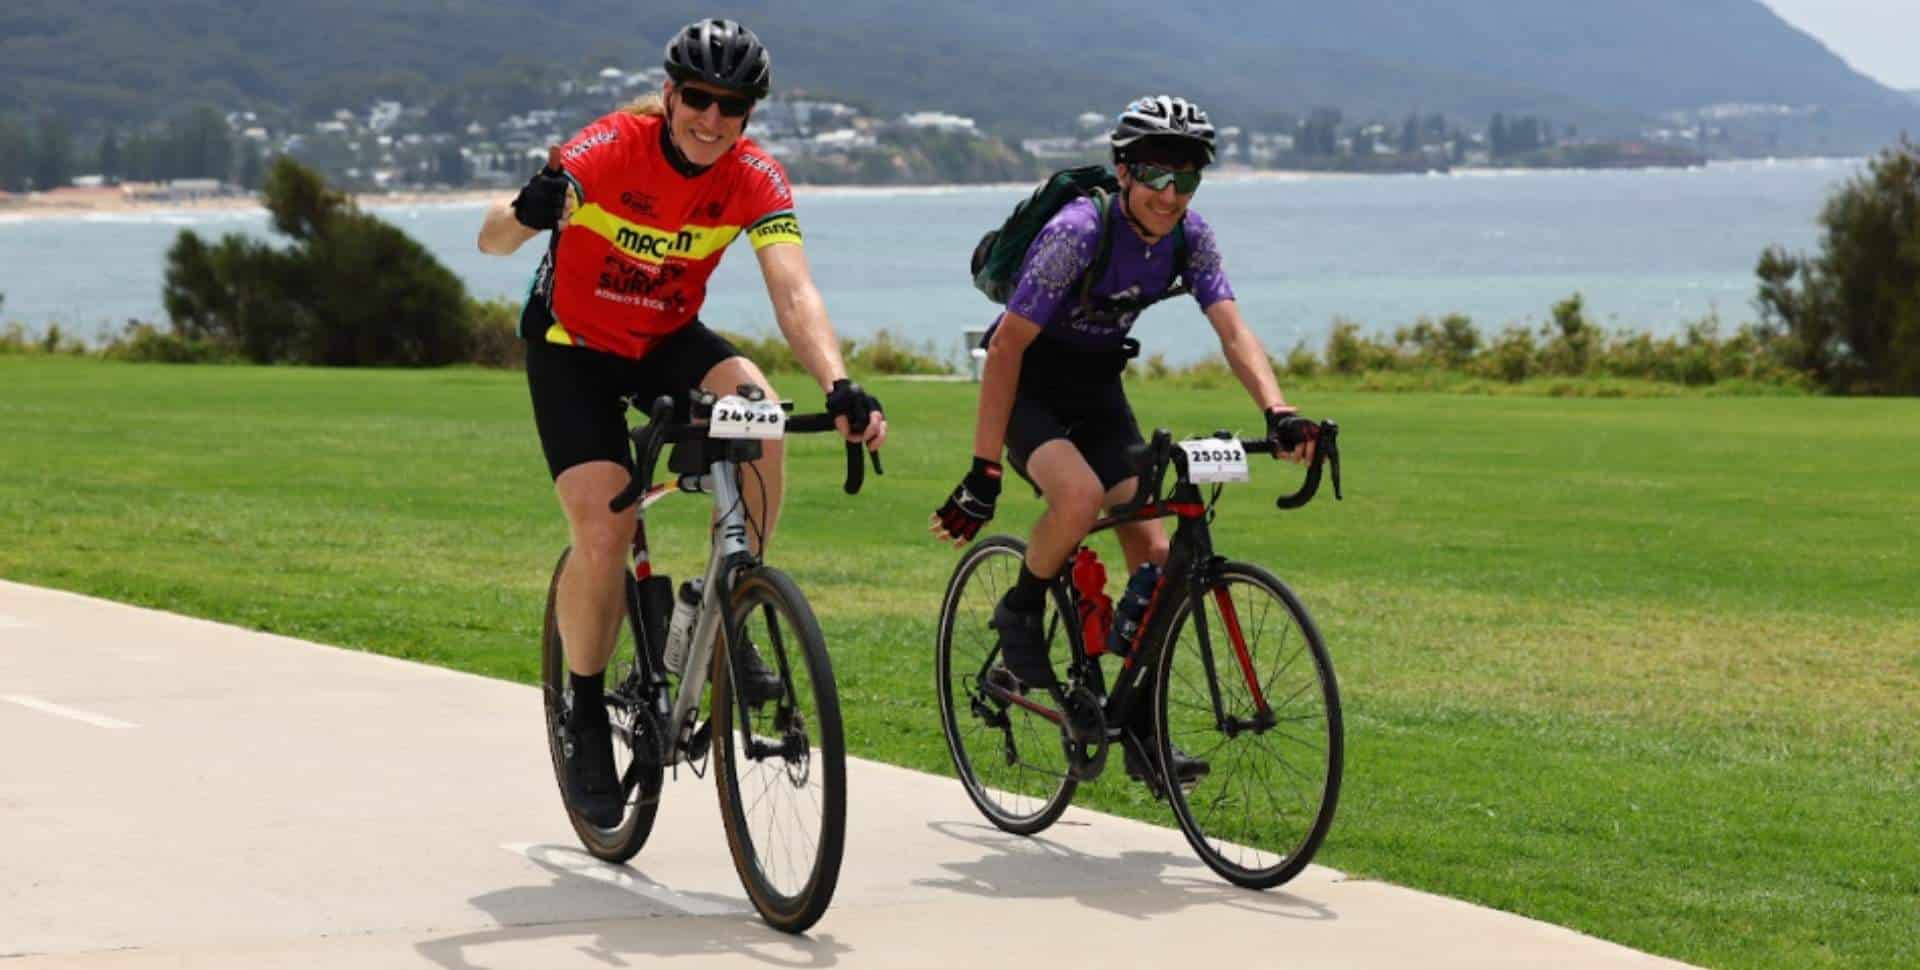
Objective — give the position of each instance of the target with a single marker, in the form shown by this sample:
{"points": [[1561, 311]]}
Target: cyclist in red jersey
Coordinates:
{"points": [[641, 204]]}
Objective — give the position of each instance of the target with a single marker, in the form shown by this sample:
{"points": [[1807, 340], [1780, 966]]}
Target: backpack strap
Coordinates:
{"points": [[1103, 251], [1103, 254]]}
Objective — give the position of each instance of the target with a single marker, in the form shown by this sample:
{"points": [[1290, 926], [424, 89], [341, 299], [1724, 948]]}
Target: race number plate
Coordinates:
{"points": [[1212, 460], [737, 417]]}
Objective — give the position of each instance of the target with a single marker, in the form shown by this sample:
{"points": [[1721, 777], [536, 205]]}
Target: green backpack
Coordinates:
{"points": [[997, 258]]}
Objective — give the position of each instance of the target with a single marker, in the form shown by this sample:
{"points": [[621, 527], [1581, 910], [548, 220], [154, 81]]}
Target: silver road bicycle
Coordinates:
{"points": [[780, 763]]}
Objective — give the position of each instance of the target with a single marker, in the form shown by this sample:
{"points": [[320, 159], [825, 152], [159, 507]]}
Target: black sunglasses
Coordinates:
{"points": [[731, 106], [1156, 178]]}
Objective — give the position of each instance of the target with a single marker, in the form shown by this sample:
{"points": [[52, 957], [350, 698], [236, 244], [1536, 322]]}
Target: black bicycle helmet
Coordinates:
{"points": [[722, 53], [1163, 122]]}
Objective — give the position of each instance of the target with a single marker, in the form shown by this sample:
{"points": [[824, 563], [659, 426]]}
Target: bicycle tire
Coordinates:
{"points": [[622, 841], [1049, 789], [1306, 742], [790, 897]]}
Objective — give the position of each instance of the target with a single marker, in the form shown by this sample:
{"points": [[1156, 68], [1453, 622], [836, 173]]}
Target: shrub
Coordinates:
{"points": [[1301, 362], [1510, 357], [493, 329], [146, 343], [887, 354], [1850, 317], [1572, 339]]}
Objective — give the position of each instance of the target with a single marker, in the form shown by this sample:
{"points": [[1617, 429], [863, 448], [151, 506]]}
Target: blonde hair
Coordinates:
{"points": [[645, 105]]}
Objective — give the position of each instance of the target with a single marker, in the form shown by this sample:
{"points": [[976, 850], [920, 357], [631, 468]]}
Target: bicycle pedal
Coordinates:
{"points": [[699, 741]]}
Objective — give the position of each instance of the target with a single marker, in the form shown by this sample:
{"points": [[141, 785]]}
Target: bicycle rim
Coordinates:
{"points": [[1264, 806], [781, 767], [1012, 762], [620, 842]]}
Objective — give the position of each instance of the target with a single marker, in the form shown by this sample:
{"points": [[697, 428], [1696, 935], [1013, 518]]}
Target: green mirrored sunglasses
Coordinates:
{"points": [[1157, 178]]}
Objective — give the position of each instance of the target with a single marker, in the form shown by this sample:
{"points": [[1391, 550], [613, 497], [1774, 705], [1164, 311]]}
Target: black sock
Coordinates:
{"points": [[587, 693], [1029, 592]]}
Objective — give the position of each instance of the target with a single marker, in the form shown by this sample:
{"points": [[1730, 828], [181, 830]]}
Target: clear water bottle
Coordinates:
{"points": [[686, 608], [1132, 606]]}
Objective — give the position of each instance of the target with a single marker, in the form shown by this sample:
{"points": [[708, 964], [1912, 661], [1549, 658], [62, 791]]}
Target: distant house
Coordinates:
{"points": [[939, 120], [1060, 148]]}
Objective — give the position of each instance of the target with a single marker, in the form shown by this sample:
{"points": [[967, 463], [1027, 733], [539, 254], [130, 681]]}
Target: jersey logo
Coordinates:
{"points": [[783, 228], [592, 142], [652, 245]]}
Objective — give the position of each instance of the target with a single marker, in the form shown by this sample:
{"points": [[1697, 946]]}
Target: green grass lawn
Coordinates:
{"points": [[1645, 668]]}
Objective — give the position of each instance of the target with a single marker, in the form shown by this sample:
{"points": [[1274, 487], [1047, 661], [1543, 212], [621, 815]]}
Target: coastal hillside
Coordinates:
{"points": [[1020, 66]]}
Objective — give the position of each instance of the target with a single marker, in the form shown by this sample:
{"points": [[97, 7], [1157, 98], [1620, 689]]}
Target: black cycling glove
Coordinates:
{"points": [[971, 504], [1287, 428], [851, 401], [543, 200]]}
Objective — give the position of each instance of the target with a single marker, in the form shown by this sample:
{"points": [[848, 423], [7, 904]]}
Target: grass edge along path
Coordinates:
{"points": [[1641, 668]]}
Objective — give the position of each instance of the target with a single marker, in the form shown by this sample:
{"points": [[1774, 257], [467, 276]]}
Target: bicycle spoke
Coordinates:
{"points": [[1258, 813]]}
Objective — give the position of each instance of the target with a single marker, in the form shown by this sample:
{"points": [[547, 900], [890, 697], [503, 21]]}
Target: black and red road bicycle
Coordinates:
{"points": [[1227, 663]]}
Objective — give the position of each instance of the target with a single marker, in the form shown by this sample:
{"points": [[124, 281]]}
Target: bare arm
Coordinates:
{"points": [[1251, 365], [801, 313], [802, 316], [501, 233], [999, 378], [1245, 355]]}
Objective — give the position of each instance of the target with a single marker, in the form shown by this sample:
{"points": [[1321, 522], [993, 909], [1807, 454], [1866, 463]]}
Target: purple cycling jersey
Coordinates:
{"points": [[1048, 289]]}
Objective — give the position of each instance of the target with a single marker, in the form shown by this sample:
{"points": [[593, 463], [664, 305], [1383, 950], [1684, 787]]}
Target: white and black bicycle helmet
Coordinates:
{"points": [[723, 53], [1166, 124]]}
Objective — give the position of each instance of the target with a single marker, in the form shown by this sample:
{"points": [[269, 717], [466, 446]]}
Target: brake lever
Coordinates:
{"points": [[1326, 451]]}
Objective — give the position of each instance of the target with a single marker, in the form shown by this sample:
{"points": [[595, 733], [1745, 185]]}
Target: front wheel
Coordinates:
{"points": [[1245, 684], [625, 710], [781, 765], [1012, 762]]}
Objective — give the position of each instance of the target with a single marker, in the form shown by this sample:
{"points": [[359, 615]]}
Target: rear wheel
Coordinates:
{"points": [[624, 704], [781, 766], [1012, 762], [1274, 756]]}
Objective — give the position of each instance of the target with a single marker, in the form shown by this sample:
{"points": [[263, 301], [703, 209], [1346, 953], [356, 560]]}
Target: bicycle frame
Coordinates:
{"points": [[1191, 570], [728, 554]]}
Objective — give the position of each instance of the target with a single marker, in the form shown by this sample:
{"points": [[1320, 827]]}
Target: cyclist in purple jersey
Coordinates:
{"points": [[1050, 393]]}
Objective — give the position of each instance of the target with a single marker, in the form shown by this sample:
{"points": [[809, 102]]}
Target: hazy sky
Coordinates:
{"points": [[1880, 38]]}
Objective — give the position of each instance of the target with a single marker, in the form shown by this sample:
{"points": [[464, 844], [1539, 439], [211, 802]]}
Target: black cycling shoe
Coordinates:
{"points": [[592, 784], [1187, 769], [1023, 645], [758, 683]]}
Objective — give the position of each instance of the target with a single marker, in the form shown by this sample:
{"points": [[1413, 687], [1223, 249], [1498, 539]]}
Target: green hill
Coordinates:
{"points": [[1018, 65]]}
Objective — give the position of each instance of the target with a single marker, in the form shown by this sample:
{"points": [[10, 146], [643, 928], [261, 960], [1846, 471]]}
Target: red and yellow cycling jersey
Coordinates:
{"points": [[632, 265]]}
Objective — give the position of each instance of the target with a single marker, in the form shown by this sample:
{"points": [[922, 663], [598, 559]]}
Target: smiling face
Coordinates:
{"points": [[704, 135], [1159, 211]]}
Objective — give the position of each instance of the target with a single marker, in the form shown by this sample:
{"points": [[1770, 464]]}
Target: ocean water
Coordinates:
{"points": [[1649, 250]]}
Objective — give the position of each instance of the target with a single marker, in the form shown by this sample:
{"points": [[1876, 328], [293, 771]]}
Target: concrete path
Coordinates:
{"points": [[178, 793]]}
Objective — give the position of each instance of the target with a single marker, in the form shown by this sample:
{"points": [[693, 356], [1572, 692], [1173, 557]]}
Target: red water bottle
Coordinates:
{"points": [[1096, 609]]}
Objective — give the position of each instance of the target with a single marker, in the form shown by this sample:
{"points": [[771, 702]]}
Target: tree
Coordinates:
{"points": [[1850, 316], [350, 290], [450, 167], [1320, 135], [202, 145], [16, 154], [52, 153], [109, 156], [251, 170]]}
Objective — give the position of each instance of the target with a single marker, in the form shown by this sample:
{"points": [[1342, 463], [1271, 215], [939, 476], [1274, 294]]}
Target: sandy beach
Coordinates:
{"points": [[72, 201]]}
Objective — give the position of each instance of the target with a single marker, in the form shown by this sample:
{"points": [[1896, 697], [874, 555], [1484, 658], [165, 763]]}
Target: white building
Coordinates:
{"points": [[939, 120]]}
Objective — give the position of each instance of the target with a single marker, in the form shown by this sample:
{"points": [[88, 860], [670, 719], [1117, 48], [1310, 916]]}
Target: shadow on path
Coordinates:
{"points": [[1134, 884], [725, 925]]}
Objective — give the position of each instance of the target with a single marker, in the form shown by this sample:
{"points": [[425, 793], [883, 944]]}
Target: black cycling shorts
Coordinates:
{"points": [[1096, 419], [576, 392]]}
